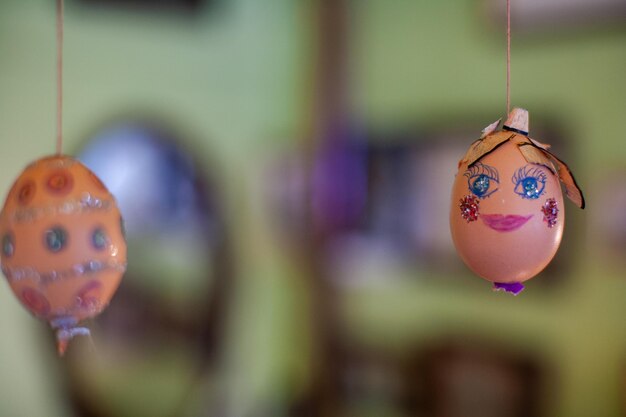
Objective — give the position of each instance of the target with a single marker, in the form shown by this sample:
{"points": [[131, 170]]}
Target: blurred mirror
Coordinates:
{"points": [[161, 332]]}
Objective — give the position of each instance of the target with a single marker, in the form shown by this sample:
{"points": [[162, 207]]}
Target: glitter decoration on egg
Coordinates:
{"points": [[63, 246], [469, 208], [515, 181]]}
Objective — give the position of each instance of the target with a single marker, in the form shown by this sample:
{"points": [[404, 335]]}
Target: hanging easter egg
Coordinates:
{"points": [[63, 246], [507, 215]]}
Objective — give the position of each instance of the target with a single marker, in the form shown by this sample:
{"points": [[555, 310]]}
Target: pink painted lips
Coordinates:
{"points": [[505, 223]]}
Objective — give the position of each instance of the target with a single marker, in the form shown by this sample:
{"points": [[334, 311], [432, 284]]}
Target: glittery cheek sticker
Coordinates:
{"points": [[550, 212], [469, 208]]}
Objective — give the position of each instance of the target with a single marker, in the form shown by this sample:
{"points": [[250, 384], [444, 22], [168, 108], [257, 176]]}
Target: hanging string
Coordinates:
{"points": [[59, 144], [508, 57]]}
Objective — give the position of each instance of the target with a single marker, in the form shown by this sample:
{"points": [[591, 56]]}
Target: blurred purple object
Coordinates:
{"points": [[513, 287], [339, 184]]}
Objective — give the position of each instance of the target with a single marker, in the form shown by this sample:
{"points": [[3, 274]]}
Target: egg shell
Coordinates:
{"points": [[499, 248], [63, 246]]}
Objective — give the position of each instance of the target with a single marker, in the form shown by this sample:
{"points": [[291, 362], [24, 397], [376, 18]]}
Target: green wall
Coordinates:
{"points": [[234, 83]]}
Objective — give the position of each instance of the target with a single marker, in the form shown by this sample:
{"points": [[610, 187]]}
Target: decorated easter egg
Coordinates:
{"points": [[507, 215], [63, 246]]}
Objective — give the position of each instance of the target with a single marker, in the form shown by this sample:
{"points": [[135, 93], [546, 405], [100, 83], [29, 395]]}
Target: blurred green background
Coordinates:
{"points": [[262, 290]]}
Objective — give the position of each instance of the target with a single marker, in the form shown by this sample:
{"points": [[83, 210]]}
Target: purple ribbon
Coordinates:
{"points": [[512, 287]]}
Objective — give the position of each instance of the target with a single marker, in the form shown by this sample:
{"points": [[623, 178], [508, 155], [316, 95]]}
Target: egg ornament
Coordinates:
{"points": [[63, 249], [507, 213]]}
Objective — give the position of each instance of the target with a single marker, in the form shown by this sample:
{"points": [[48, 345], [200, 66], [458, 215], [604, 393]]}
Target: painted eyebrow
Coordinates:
{"points": [[529, 170], [479, 168]]}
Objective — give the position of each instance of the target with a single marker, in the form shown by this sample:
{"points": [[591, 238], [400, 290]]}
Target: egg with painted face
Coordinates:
{"points": [[63, 248], [507, 215]]}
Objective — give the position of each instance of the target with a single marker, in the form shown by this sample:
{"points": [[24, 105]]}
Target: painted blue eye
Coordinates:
{"points": [[480, 185], [530, 181], [482, 180]]}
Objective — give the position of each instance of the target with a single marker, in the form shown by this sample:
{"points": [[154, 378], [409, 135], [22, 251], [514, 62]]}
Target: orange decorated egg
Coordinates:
{"points": [[63, 248], [507, 215]]}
